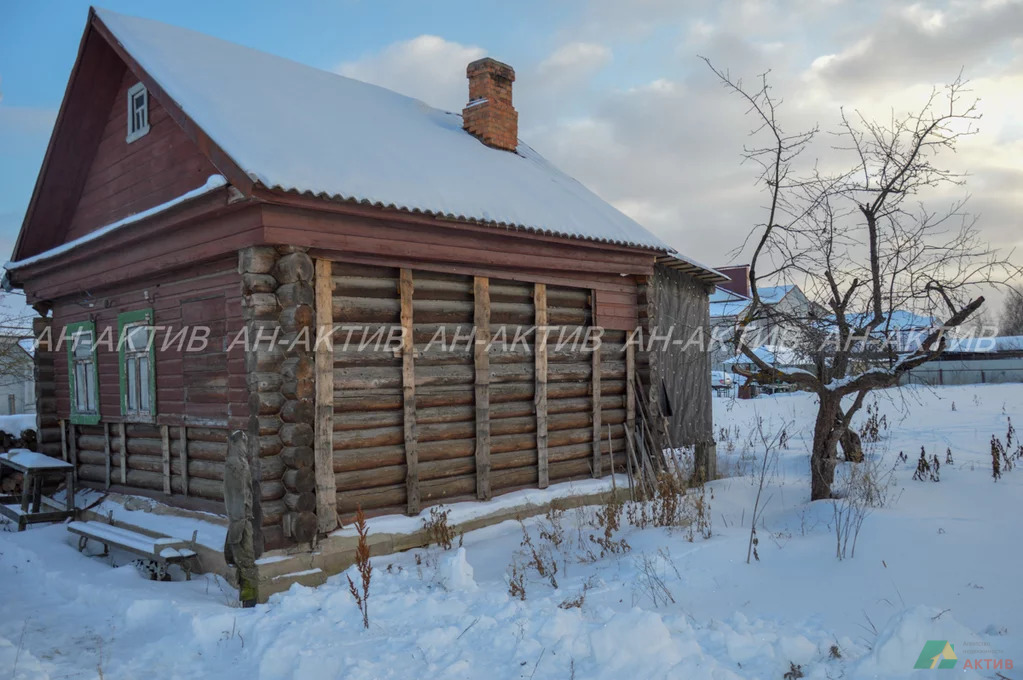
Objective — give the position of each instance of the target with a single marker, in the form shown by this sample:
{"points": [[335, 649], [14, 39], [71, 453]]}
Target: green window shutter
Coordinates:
{"points": [[81, 417], [125, 319]]}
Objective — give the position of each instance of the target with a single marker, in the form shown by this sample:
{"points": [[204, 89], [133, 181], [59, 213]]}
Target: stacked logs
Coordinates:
{"points": [[277, 304], [142, 446], [369, 458], [47, 424]]}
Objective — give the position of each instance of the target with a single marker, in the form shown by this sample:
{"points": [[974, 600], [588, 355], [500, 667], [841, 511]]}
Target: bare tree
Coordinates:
{"points": [[1011, 321], [864, 250]]}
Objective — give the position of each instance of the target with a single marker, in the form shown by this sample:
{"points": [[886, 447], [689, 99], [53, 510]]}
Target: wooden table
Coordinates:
{"points": [[33, 507]]}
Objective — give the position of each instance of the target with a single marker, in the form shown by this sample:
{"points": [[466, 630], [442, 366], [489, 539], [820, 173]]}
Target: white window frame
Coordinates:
{"points": [[141, 131], [83, 365], [138, 371]]}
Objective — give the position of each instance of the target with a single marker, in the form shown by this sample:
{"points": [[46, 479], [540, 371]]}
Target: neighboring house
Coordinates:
{"points": [[779, 357], [774, 326], [17, 383], [191, 183]]}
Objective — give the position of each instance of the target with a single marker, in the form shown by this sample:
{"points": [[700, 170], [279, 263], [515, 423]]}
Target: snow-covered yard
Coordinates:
{"points": [[940, 561]]}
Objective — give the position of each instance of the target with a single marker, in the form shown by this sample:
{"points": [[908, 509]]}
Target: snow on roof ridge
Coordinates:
{"points": [[212, 182], [329, 135]]}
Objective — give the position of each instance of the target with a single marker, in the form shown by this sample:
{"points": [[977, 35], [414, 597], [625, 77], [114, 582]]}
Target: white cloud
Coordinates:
{"points": [[575, 60], [426, 67], [665, 145], [922, 43]]}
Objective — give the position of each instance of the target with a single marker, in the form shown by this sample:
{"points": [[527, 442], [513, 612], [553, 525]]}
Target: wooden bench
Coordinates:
{"points": [[33, 507], [163, 551]]}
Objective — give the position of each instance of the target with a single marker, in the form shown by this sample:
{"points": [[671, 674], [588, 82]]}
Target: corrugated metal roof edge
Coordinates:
{"points": [[669, 259]]}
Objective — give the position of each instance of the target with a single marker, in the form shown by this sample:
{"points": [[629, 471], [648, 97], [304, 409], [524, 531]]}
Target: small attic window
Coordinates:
{"points": [[138, 112]]}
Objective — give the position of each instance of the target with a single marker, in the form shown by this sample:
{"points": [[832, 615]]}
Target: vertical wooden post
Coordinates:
{"points": [[165, 450], [408, 381], [73, 446], [124, 452], [596, 412], [630, 388], [183, 458], [63, 440], [481, 321], [653, 405], [108, 452], [323, 425], [540, 348]]}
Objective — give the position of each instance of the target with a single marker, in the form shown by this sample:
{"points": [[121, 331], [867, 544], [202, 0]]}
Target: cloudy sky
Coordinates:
{"points": [[613, 92]]}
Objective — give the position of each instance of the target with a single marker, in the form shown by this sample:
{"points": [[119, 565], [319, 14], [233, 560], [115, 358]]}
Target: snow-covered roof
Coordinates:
{"points": [[901, 320], [725, 303], [1002, 343], [775, 355], [296, 128], [212, 183], [728, 308], [773, 294]]}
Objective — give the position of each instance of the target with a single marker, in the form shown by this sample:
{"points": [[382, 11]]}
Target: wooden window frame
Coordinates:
{"points": [[79, 417], [142, 131], [124, 320]]}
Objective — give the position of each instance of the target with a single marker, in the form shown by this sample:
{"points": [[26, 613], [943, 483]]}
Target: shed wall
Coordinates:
{"points": [[684, 362]]}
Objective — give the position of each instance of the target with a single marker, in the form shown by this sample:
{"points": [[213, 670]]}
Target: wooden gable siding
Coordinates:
{"points": [[206, 387], [124, 179], [76, 133]]}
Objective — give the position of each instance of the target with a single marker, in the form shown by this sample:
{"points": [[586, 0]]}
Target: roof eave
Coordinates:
{"points": [[339, 203]]}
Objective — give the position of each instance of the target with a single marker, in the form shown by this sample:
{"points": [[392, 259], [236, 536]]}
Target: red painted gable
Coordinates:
{"points": [[127, 178]]}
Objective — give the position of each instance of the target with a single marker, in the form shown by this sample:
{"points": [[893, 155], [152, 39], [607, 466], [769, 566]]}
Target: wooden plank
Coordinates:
{"points": [[595, 394], [652, 397], [72, 436], [183, 458], [481, 358], [165, 451], [323, 445], [540, 350], [124, 452], [107, 452], [408, 380], [63, 440], [630, 387]]}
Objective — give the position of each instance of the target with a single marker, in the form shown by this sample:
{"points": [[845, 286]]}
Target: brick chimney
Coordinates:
{"points": [[489, 115]]}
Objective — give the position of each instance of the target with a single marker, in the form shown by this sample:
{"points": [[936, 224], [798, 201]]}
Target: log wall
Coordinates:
{"points": [[178, 454], [47, 424], [475, 414]]}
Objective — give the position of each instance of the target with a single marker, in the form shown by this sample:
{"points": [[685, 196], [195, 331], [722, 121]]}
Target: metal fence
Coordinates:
{"points": [[966, 372]]}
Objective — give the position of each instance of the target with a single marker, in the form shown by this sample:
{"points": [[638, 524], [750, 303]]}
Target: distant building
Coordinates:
{"points": [[730, 301], [17, 385]]}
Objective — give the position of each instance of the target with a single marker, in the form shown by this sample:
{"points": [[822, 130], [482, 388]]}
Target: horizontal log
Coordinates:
{"points": [[388, 496], [299, 480], [153, 447], [153, 481], [300, 502], [273, 511]]}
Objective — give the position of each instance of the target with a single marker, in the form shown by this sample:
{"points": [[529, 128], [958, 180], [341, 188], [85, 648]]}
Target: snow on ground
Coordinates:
{"points": [[939, 562]]}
